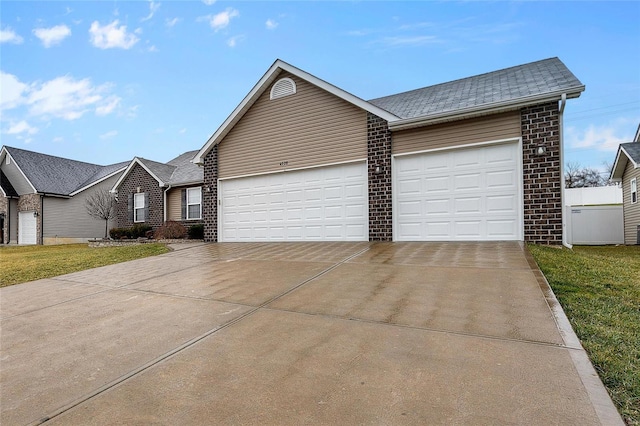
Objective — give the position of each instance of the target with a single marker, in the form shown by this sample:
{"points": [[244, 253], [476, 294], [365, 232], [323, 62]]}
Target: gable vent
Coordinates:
{"points": [[283, 87]]}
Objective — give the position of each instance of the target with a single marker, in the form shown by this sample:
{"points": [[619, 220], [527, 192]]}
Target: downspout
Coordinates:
{"points": [[563, 102], [9, 219], [42, 220], [165, 203]]}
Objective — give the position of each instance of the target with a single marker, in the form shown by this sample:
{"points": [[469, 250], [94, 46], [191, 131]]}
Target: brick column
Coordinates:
{"points": [[210, 196], [380, 199], [541, 174]]}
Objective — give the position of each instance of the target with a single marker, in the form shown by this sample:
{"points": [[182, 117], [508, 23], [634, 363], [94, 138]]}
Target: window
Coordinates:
{"points": [[634, 191], [138, 207], [194, 203]]}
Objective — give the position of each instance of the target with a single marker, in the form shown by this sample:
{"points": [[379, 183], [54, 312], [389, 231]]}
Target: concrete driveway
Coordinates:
{"points": [[298, 333]]}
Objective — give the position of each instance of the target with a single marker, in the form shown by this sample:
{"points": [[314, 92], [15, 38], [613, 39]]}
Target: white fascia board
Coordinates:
{"points": [[484, 109], [97, 182], [620, 164], [5, 152], [128, 169], [271, 74]]}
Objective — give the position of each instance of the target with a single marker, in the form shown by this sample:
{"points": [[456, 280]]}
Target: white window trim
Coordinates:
{"points": [[194, 204], [633, 190], [136, 196]]}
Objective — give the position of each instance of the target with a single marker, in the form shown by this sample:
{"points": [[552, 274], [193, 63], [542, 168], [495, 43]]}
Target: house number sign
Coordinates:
{"points": [[284, 163]]}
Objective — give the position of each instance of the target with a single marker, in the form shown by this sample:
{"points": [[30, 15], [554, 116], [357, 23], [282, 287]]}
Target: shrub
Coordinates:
{"points": [[196, 232], [139, 231], [171, 230], [136, 231]]}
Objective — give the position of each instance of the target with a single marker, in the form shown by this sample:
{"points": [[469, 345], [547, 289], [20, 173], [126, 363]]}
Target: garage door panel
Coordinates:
{"points": [[465, 194], [327, 203], [27, 224]]}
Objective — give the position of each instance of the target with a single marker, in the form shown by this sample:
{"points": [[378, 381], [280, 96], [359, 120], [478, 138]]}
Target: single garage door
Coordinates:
{"points": [[26, 228], [468, 194], [319, 204]]}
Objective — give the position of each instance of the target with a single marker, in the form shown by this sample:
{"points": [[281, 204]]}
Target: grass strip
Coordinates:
{"points": [[20, 264], [599, 290]]}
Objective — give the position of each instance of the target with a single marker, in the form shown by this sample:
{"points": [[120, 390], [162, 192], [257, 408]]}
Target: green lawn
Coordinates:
{"points": [[27, 263], [599, 290]]}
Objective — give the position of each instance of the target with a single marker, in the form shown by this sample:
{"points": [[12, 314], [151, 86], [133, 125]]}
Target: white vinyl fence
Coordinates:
{"points": [[595, 225]]}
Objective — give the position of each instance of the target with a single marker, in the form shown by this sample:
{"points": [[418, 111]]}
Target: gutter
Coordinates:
{"points": [[484, 109], [563, 102]]}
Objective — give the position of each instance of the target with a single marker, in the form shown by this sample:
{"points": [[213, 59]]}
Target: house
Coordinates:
{"points": [[626, 171], [152, 193], [42, 197], [475, 159]]}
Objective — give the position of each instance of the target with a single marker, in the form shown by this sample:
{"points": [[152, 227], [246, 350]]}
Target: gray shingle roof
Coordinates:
{"points": [[186, 171], [56, 175], [161, 170], [176, 172], [510, 84], [633, 149]]}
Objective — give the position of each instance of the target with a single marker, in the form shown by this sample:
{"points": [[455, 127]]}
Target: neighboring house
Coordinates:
{"points": [[42, 197], [152, 193], [473, 159], [626, 170]]}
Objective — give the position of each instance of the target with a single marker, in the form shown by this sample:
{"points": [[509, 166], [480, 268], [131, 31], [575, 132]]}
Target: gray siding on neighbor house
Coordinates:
{"points": [[631, 211], [66, 218], [449, 135], [311, 127], [19, 182]]}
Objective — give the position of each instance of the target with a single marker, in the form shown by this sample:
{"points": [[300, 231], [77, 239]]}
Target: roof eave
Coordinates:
{"points": [[485, 109], [97, 181], [6, 152], [620, 164], [135, 161], [259, 88]]}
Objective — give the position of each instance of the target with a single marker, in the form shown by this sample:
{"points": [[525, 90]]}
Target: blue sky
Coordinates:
{"points": [[105, 81]]}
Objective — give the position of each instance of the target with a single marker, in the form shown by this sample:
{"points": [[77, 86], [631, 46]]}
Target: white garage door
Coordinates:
{"points": [[26, 228], [320, 204], [459, 195]]}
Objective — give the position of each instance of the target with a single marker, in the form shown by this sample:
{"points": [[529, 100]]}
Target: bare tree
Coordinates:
{"points": [[101, 205], [576, 176]]}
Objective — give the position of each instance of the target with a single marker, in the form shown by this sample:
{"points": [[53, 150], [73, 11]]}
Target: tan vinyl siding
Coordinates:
{"points": [[311, 127], [447, 135], [631, 211], [174, 204], [68, 217]]}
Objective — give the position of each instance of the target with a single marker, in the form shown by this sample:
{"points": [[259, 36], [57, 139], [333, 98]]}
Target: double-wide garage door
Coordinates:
{"points": [[468, 194], [319, 204]]}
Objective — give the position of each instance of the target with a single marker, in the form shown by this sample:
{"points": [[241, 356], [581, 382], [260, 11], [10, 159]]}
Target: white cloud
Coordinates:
{"points": [[12, 91], [152, 48], [69, 99], [208, 2], [108, 106], [111, 35], [171, 22], [53, 35], [21, 127], [153, 8], [603, 138], [183, 131], [271, 24], [220, 20], [9, 36], [410, 41], [57, 139], [110, 134], [233, 41]]}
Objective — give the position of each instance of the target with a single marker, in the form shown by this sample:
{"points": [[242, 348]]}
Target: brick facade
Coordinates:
{"points": [[210, 196], [31, 202], [139, 178], [380, 197], [542, 181]]}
